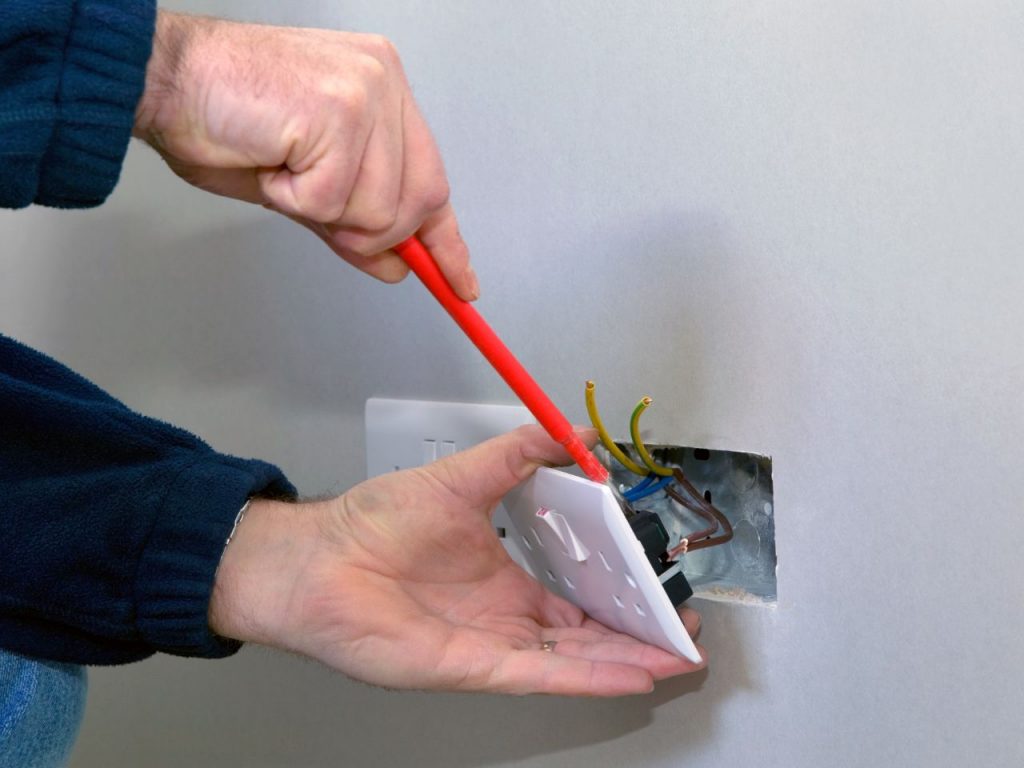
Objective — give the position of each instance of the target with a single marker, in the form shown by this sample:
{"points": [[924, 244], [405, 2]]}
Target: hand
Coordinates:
{"points": [[402, 582], [318, 125]]}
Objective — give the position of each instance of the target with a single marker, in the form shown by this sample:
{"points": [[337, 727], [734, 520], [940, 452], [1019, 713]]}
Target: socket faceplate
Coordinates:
{"points": [[574, 533]]}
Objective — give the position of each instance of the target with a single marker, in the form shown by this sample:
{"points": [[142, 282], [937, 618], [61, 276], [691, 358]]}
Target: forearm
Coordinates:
{"points": [[113, 523]]}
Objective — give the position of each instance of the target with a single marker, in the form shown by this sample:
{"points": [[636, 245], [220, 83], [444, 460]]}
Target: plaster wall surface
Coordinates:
{"points": [[796, 225]]}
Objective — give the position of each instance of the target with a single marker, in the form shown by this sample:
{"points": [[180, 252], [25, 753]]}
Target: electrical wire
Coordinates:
{"points": [[642, 485], [695, 502], [638, 443], [692, 501], [651, 489], [606, 440], [696, 536]]}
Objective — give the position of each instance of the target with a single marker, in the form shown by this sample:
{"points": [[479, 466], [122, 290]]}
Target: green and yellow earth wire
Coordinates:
{"points": [[606, 440], [638, 443]]}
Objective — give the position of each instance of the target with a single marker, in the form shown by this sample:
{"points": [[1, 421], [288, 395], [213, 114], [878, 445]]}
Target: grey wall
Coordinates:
{"points": [[797, 227]]}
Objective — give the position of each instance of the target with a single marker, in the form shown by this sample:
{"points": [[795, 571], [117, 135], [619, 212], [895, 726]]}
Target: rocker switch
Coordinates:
{"points": [[571, 545]]}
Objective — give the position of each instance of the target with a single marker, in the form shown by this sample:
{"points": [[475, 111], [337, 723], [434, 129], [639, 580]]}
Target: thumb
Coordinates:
{"points": [[486, 472]]}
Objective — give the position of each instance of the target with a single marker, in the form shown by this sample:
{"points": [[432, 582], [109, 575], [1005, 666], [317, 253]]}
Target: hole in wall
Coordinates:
{"points": [[739, 485]]}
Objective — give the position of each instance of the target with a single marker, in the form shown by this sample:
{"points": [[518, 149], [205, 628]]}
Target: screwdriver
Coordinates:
{"points": [[416, 255]]}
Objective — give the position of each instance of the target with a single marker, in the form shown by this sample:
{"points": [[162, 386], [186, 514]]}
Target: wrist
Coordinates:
{"points": [[255, 582], [173, 38]]}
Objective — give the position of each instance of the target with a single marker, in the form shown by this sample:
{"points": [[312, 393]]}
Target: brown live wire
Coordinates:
{"points": [[690, 499]]}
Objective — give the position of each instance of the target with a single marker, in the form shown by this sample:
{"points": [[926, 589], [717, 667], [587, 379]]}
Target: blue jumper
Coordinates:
{"points": [[111, 524]]}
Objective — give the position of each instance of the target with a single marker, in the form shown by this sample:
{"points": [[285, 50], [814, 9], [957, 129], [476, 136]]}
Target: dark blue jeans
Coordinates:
{"points": [[41, 706]]}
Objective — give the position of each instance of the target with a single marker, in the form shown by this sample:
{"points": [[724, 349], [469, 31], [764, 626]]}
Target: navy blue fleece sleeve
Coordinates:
{"points": [[111, 524], [71, 74]]}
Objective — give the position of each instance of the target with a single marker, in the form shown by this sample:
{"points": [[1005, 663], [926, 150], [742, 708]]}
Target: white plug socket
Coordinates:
{"points": [[401, 434]]}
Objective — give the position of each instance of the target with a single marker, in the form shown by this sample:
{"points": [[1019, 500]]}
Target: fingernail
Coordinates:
{"points": [[474, 285]]}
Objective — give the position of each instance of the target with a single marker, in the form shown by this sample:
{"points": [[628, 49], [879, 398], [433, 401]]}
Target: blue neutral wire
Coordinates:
{"points": [[644, 483], [652, 488]]}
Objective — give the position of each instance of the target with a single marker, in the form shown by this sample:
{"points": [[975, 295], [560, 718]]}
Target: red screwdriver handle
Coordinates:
{"points": [[415, 254]]}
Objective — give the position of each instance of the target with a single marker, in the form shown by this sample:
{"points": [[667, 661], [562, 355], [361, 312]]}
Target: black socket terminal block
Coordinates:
{"points": [[651, 533]]}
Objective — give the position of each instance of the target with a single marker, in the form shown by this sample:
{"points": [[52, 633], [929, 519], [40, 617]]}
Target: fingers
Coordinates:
{"points": [[422, 208], [596, 630], [326, 157], [660, 664], [588, 435], [691, 620], [334, 140], [440, 234], [593, 640], [373, 203], [556, 611], [537, 671], [588, 663], [319, 193], [385, 266], [402, 189], [489, 470]]}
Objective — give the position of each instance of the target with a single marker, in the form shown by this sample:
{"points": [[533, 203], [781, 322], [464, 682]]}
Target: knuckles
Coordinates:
{"points": [[436, 195], [349, 95], [352, 84], [367, 71], [378, 219], [382, 49]]}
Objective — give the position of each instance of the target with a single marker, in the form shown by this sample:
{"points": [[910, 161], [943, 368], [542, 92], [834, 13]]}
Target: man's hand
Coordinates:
{"points": [[316, 124], [402, 582]]}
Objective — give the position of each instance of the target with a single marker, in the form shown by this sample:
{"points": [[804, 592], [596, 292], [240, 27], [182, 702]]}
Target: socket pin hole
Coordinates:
{"points": [[618, 601], [527, 543], [701, 454]]}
